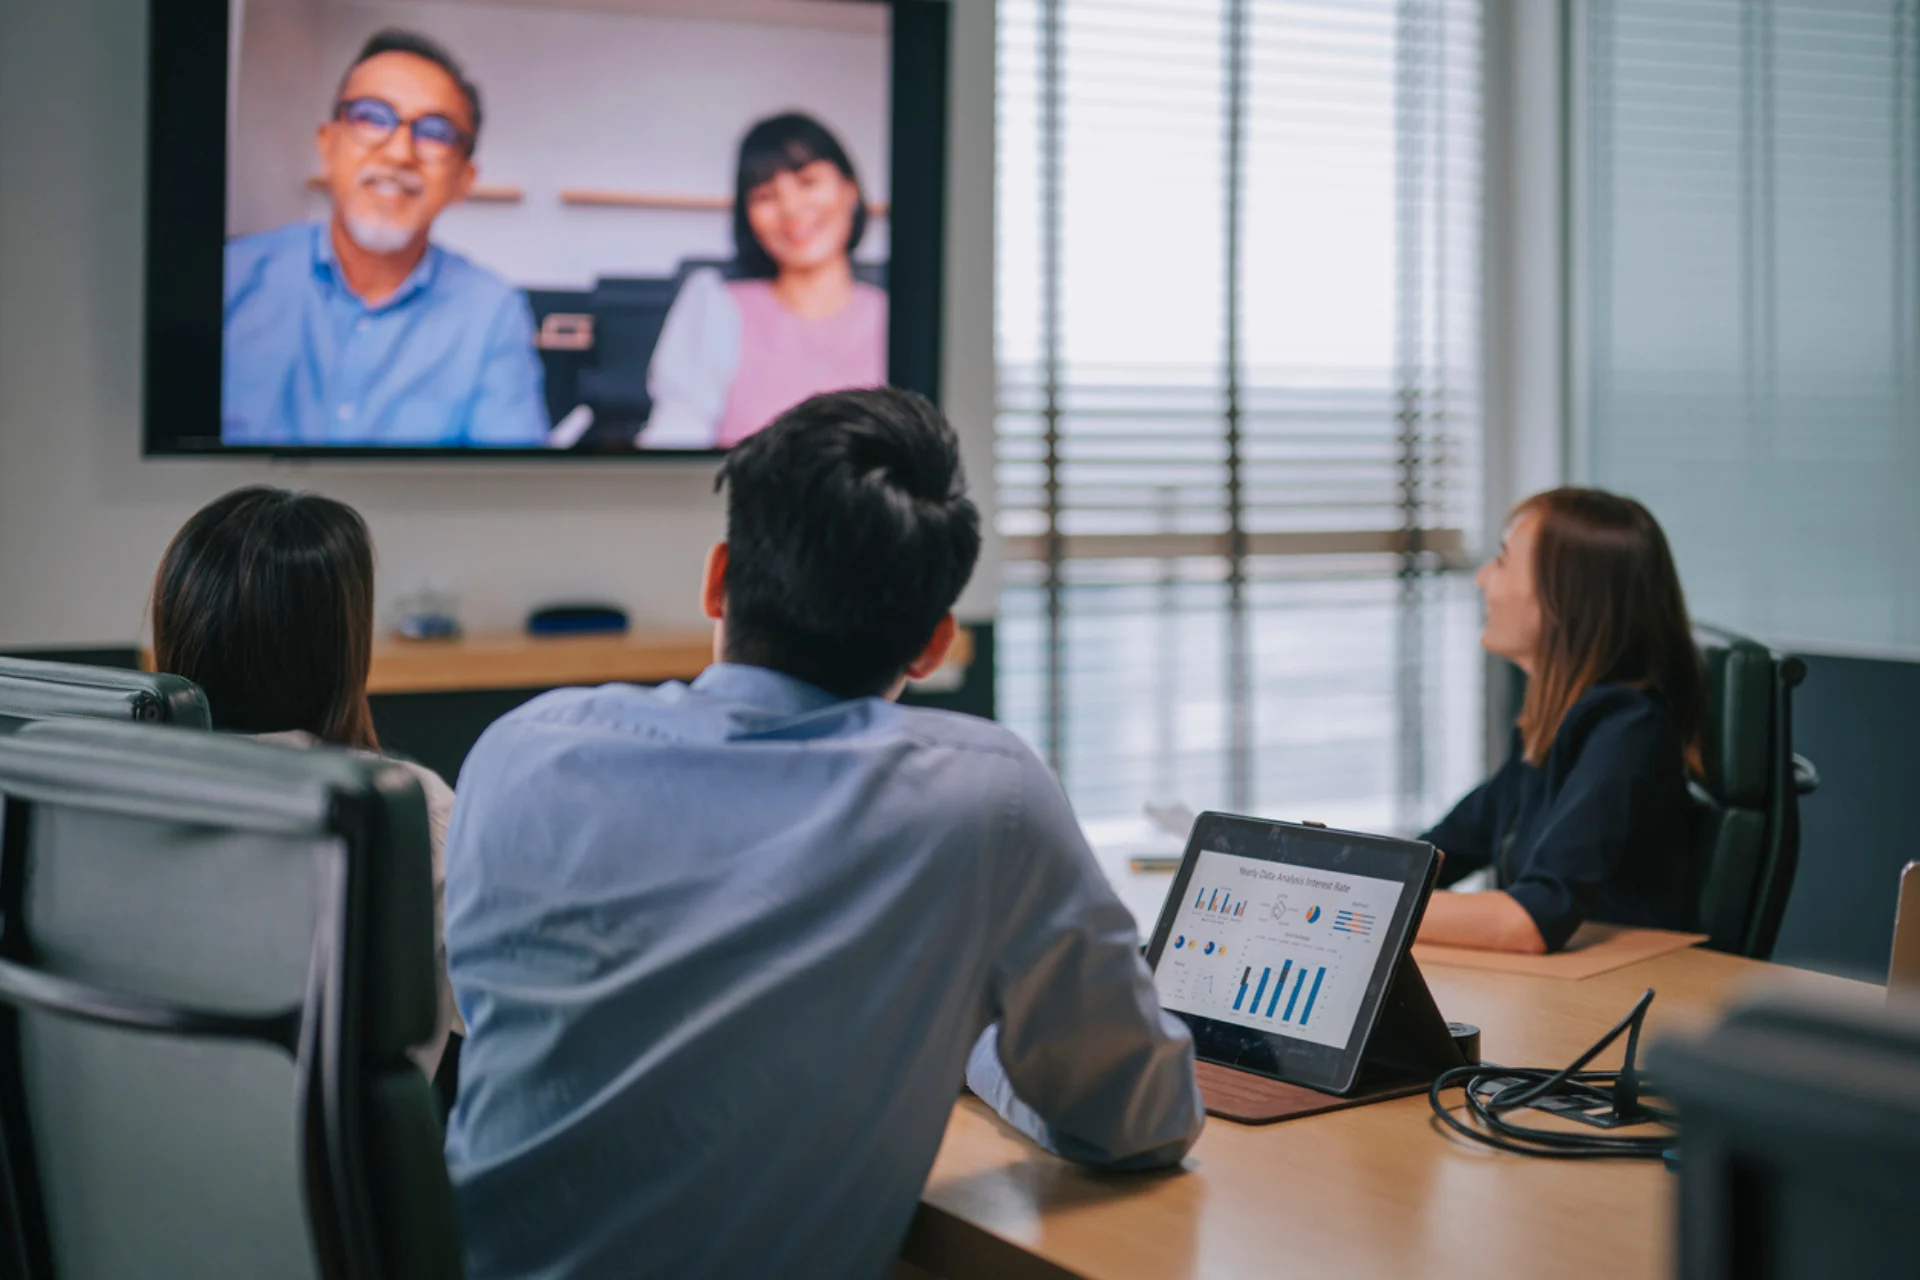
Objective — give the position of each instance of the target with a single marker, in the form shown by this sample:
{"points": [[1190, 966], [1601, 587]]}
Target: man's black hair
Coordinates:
{"points": [[850, 535], [396, 40], [784, 144]]}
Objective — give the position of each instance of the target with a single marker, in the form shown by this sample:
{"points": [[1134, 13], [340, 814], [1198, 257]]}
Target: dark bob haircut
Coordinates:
{"points": [[265, 600], [784, 144], [395, 40], [849, 537]]}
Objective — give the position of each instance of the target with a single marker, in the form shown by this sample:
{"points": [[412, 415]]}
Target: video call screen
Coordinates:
{"points": [[589, 225]]}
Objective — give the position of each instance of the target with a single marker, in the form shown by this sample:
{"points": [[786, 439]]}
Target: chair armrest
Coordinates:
{"points": [[1806, 778]]}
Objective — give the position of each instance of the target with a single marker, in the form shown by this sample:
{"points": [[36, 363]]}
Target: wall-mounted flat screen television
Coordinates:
{"points": [[535, 228]]}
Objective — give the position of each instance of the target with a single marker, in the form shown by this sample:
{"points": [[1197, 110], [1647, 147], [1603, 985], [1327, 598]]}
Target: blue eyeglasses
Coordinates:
{"points": [[373, 120]]}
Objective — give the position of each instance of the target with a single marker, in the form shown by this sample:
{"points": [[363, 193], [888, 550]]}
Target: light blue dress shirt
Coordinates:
{"points": [[447, 360], [723, 950]]}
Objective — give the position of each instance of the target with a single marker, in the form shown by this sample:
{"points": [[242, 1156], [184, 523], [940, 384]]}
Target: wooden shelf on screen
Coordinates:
{"points": [[665, 200], [511, 660], [479, 195]]}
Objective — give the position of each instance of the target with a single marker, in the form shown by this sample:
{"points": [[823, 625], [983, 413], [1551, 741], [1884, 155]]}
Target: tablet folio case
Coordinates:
{"points": [[1409, 1046]]}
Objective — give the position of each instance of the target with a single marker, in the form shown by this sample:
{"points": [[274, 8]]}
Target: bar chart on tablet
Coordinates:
{"points": [[1277, 948], [1220, 902]]}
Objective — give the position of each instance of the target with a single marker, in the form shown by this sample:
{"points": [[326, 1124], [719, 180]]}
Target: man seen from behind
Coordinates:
{"points": [[724, 948]]}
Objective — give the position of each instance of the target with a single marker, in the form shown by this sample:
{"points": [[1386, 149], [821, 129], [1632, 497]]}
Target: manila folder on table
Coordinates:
{"points": [[1593, 949]]}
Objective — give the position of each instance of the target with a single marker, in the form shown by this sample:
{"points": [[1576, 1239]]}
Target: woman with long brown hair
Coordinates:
{"points": [[1588, 818], [265, 600]]}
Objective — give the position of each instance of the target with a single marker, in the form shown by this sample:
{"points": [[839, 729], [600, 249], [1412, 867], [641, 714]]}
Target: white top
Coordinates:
{"points": [[439, 811], [693, 365]]}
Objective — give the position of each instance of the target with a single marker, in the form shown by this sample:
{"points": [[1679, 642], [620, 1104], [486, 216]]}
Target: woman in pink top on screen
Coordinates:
{"points": [[793, 321]]}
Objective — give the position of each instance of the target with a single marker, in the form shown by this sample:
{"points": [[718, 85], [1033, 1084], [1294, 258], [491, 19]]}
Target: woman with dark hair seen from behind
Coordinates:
{"points": [[265, 600], [1588, 819], [793, 322]]}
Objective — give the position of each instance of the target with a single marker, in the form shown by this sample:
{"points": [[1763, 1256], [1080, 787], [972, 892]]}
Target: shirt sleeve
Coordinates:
{"points": [[693, 366], [1607, 794], [246, 369], [1081, 1057], [1466, 835], [510, 407]]}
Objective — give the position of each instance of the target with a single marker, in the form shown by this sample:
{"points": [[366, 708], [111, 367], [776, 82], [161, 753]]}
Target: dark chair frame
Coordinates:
{"points": [[1790, 776], [322, 1042], [127, 695]]}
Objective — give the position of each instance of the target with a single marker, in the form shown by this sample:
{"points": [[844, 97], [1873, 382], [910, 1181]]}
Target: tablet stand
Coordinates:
{"points": [[1409, 1046]]}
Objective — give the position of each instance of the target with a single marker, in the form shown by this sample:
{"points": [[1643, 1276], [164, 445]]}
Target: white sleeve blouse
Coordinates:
{"points": [[693, 366]]}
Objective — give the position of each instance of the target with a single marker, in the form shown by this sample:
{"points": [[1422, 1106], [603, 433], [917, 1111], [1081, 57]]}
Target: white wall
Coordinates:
{"points": [[83, 518], [605, 101]]}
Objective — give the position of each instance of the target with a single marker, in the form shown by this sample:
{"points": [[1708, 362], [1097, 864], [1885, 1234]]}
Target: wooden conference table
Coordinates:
{"points": [[1379, 1190]]}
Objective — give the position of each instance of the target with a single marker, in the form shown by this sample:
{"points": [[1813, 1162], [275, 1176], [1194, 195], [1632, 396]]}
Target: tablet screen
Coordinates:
{"points": [[1278, 943], [1276, 948]]}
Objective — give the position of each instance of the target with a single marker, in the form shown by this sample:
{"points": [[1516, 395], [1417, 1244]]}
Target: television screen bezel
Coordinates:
{"points": [[188, 52]]}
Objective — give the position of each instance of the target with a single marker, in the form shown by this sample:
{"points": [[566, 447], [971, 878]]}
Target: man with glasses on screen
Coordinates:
{"points": [[359, 331]]}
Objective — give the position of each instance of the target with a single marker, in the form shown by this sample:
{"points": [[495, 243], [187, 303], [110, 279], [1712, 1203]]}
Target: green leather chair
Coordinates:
{"points": [[214, 955], [31, 690], [1746, 821]]}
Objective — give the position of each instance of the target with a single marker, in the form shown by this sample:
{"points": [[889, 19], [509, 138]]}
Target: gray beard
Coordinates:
{"points": [[377, 235]]}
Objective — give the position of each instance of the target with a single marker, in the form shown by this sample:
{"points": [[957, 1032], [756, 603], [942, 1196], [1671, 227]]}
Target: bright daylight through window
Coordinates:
{"points": [[1239, 357]]}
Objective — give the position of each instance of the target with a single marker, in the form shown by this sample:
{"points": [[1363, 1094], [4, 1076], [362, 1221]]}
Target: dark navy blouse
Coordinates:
{"points": [[1599, 832]]}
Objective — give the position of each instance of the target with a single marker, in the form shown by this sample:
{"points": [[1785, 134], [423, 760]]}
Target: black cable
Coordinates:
{"points": [[1492, 1091]]}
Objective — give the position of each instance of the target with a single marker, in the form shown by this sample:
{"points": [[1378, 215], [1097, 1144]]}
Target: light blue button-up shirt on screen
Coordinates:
{"points": [[723, 950], [448, 360]]}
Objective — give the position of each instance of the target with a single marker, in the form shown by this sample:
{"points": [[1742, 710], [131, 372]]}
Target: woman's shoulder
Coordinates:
{"points": [[439, 797], [870, 302], [753, 296], [286, 738], [704, 286], [429, 779], [439, 794], [1623, 716], [704, 311]]}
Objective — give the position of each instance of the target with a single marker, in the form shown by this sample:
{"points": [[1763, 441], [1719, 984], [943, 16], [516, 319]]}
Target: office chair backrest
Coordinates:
{"points": [[1746, 833], [214, 955], [31, 690], [1800, 1140], [628, 315]]}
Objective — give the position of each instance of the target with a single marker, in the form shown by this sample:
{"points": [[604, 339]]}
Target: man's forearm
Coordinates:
{"points": [[1173, 1135]]}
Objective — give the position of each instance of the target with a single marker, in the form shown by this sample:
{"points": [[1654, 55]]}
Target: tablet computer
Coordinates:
{"points": [[1278, 943]]}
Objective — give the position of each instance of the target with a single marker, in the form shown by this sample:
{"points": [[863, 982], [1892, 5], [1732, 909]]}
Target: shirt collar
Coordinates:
{"points": [[762, 687], [326, 266]]}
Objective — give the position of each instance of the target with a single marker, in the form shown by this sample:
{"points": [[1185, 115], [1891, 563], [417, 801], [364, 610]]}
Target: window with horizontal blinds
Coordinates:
{"points": [[1239, 352], [1751, 267]]}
